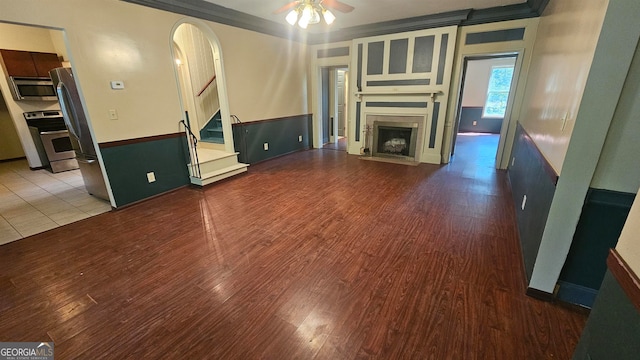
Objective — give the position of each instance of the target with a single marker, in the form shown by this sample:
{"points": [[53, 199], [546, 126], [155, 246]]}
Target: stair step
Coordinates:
{"points": [[213, 176]]}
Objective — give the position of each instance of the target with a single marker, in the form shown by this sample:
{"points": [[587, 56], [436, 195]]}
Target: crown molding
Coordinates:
{"points": [[205, 10]]}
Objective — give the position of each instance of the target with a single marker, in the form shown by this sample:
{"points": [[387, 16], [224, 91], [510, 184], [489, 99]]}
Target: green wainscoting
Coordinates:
{"points": [[530, 175], [603, 216], [128, 162], [613, 328], [281, 134]]}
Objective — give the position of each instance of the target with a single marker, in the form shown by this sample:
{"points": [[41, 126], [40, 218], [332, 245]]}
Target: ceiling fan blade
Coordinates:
{"points": [[287, 7], [337, 5]]}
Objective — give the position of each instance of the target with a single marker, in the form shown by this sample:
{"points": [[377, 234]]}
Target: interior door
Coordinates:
{"points": [[325, 106], [341, 102]]}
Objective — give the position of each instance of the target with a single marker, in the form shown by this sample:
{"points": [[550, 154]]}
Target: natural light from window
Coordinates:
{"points": [[498, 92]]}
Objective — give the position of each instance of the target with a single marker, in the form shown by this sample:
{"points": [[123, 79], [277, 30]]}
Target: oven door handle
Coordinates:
{"points": [[58, 132]]}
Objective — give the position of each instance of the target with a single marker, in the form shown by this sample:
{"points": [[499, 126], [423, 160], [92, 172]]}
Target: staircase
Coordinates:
{"points": [[212, 131], [215, 165], [209, 162]]}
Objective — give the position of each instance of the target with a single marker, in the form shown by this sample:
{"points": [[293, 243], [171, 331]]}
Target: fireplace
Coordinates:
{"points": [[395, 139]]}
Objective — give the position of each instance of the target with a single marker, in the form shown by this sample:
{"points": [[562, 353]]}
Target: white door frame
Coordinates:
{"points": [[316, 86], [524, 49], [500, 153]]}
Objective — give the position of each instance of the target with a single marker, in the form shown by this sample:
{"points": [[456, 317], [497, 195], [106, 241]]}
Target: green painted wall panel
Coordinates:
{"points": [[613, 328], [281, 134], [127, 167], [529, 177]]}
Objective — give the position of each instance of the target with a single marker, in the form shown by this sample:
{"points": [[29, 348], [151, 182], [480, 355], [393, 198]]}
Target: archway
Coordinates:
{"points": [[201, 83]]}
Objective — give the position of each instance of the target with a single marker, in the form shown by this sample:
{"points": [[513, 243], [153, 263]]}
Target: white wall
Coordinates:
{"points": [[567, 37], [477, 80], [618, 168]]}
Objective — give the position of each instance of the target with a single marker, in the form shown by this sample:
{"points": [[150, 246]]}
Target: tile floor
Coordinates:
{"points": [[32, 202]]}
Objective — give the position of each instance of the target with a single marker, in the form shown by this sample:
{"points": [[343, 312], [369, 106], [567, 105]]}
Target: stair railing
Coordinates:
{"points": [[207, 85], [192, 140]]}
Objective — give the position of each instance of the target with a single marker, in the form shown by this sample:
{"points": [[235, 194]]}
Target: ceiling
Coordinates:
{"points": [[366, 11], [370, 17]]}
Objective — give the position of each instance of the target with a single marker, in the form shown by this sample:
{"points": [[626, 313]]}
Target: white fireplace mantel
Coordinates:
{"points": [[431, 94]]}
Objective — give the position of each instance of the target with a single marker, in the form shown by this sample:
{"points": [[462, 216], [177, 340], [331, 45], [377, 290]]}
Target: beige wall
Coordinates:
{"points": [[10, 146], [567, 36], [266, 76], [112, 40], [476, 80], [618, 168]]}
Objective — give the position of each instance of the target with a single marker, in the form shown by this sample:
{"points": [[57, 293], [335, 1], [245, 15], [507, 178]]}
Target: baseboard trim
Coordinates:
{"points": [[576, 294], [540, 295], [281, 155], [148, 198], [625, 276]]}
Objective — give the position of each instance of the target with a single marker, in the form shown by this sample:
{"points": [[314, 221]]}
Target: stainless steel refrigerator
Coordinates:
{"points": [[81, 139]]}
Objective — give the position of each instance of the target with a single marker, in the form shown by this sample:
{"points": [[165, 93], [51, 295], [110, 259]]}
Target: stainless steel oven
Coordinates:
{"points": [[52, 140]]}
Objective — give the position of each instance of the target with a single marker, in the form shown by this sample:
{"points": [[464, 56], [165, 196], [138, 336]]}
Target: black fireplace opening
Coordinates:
{"points": [[395, 141]]}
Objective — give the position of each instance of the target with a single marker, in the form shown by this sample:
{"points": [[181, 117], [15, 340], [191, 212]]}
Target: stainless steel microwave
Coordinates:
{"points": [[28, 88]]}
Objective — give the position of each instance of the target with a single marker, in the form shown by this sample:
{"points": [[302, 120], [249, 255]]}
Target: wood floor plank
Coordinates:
{"points": [[316, 255]]}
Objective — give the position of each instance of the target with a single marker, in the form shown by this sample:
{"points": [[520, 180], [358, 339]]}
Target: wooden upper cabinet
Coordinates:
{"points": [[19, 63], [29, 64], [45, 62]]}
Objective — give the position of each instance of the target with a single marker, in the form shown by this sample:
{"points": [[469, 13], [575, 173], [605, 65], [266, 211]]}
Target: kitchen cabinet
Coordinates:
{"points": [[29, 63]]}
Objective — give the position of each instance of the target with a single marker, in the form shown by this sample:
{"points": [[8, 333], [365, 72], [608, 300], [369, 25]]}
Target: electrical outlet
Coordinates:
{"points": [[266, 146], [151, 177], [475, 123], [299, 138], [524, 202], [113, 114]]}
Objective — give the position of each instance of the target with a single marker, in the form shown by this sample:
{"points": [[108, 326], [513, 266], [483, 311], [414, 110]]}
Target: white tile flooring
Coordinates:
{"points": [[32, 202]]}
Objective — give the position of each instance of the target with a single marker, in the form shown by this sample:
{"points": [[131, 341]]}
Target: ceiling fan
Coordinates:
{"points": [[307, 12]]}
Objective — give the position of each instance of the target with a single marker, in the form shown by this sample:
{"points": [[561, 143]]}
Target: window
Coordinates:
{"points": [[498, 91]]}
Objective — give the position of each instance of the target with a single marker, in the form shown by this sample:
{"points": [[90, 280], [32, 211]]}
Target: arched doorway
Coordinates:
{"points": [[201, 84], [200, 75]]}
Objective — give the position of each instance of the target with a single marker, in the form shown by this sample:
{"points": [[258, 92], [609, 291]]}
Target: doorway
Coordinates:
{"points": [[484, 106], [335, 81], [200, 77]]}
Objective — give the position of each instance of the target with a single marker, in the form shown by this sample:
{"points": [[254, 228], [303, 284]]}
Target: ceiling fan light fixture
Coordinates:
{"points": [[303, 22], [328, 16], [310, 15], [309, 12], [292, 17]]}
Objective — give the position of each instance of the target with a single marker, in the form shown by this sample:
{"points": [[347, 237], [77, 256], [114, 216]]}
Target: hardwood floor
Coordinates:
{"points": [[315, 255]]}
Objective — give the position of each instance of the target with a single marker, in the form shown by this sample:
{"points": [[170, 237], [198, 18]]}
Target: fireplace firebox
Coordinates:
{"points": [[395, 140]]}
